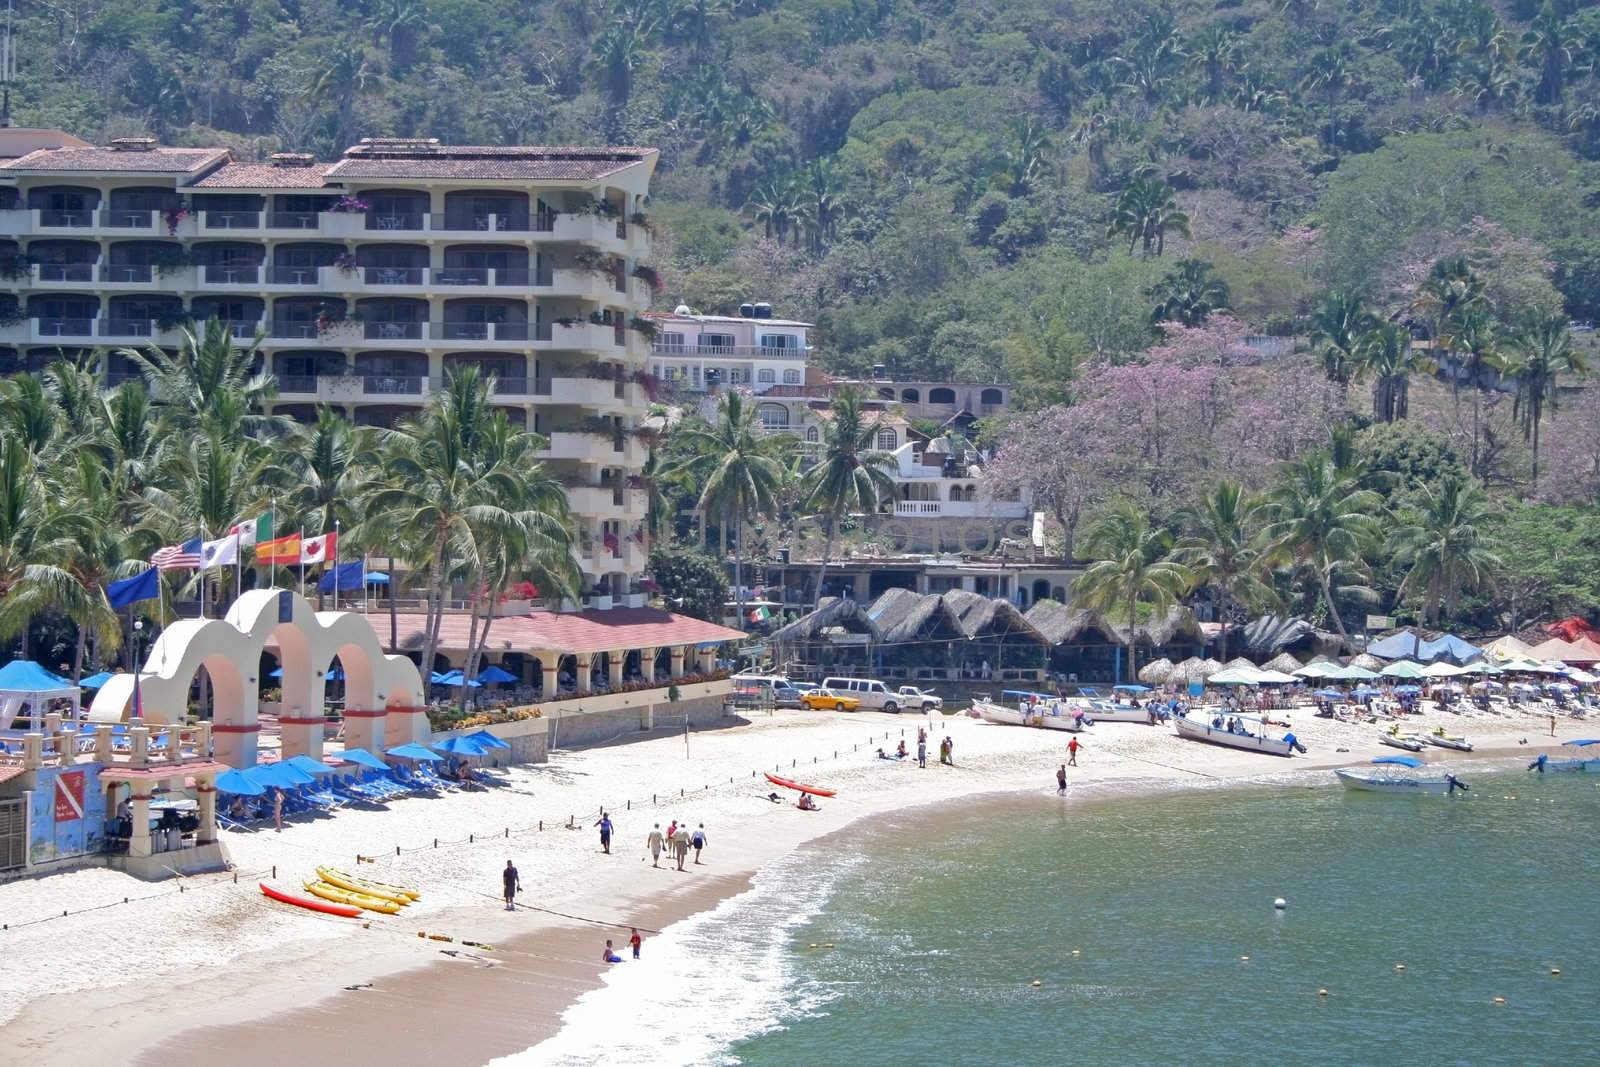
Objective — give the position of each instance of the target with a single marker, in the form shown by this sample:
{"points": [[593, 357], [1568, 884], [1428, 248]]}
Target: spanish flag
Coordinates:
{"points": [[281, 550]]}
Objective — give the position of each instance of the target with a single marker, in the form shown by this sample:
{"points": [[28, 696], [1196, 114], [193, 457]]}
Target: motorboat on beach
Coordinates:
{"points": [[1399, 774], [1443, 740], [1249, 732], [1581, 755], [1098, 709], [1031, 709], [1395, 739]]}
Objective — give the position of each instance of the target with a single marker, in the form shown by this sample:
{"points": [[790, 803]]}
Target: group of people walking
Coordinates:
{"points": [[677, 839]]}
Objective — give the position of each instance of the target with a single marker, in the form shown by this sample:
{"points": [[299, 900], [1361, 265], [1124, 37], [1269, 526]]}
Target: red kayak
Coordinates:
{"points": [[309, 903], [814, 790]]}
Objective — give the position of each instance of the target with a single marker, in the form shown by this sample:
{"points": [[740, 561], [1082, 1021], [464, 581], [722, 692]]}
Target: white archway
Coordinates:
{"points": [[306, 642]]}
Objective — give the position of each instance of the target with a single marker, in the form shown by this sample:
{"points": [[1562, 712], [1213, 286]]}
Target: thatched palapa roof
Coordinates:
{"points": [[835, 611], [1156, 672], [981, 616], [1282, 662]]}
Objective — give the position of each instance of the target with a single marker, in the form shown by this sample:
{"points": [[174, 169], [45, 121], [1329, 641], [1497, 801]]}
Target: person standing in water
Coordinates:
{"points": [[1061, 780], [654, 843], [1072, 752], [512, 884]]}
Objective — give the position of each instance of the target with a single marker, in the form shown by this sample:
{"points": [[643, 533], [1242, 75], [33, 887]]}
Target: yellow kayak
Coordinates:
{"points": [[399, 894], [345, 896]]}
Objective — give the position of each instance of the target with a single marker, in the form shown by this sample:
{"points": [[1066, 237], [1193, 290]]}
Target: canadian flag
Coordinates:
{"points": [[319, 549]]}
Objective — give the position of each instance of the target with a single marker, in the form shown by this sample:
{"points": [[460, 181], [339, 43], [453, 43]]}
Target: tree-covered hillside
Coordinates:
{"points": [[978, 190]]}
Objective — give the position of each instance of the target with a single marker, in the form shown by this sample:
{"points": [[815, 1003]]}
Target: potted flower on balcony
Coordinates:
{"points": [[346, 263], [350, 205], [167, 261], [174, 216], [647, 328], [650, 383], [598, 318], [641, 220], [11, 314], [594, 262], [569, 321], [650, 276]]}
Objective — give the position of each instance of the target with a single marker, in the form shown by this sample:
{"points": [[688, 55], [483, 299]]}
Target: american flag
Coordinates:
{"points": [[178, 557]]}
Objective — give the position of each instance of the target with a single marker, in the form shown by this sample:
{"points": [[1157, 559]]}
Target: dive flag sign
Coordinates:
{"points": [[69, 796]]}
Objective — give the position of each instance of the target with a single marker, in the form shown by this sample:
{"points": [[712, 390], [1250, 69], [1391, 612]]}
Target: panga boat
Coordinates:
{"points": [[1395, 739], [1248, 732], [1097, 708], [1580, 755], [1398, 774], [1032, 709], [1444, 740]]}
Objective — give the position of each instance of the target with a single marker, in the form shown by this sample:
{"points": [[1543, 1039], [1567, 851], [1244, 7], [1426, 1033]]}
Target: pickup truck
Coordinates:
{"points": [[912, 697]]}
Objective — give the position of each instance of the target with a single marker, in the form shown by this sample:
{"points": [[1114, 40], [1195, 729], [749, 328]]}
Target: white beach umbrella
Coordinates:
{"points": [[1403, 668], [1235, 676], [1350, 674], [1317, 669], [1441, 669], [1276, 678]]}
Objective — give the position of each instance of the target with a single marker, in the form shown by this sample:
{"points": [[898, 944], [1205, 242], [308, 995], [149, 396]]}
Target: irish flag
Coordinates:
{"points": [[255, 531]]}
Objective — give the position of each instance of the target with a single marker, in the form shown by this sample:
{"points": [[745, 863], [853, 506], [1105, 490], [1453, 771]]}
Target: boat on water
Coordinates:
{"points": [[1031, 709], [1395, 739], [1580, 755], [1249, 732], [1399, 774], [1444, 740]]}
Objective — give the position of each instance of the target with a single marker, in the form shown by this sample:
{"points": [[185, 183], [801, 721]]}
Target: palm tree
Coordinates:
{"points": [[779, 206], [1189, 294], [1337, 326], [823, 209], [1222, 550], [1472, 334], [455, 486], [852, 477], [733, 461], [1215, 51], [319, 471], [1386, 352], [1545, 48], [620, 49], [29, 414], [342, 82], [97, 555], [1023, 162], [1331, 71], [1320, 517], [209, 382], [1541, 349], [34, 538], [1133, 567], [1443, 547], [1146, 210]]}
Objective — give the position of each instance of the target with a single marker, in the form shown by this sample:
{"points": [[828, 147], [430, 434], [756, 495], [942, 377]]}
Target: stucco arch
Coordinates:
{"points": [[306, 642]]}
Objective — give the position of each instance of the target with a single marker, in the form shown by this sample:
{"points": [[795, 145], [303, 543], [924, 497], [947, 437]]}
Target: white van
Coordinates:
{"points": [[873, 694]]}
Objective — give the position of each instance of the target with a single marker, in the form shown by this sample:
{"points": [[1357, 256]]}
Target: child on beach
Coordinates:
{"points": [[610, 954], [635, 941], [654, 843]]}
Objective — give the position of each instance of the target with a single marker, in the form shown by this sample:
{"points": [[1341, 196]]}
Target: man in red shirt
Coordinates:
{"points": [[1072, 752]]}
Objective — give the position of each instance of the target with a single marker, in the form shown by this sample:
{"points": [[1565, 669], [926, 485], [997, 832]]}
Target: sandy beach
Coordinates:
{"points": [[170, 977]]}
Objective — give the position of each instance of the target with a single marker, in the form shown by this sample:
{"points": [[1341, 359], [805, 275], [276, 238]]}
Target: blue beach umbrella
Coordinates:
{"points": [[315, 768], [488, 740], [415, 751], [362, 758], [277, 776], [238, 783], [1329, 694], [461, 746], [95, 681], [494, 674]]}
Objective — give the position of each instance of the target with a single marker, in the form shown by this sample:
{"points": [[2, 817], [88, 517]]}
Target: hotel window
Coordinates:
{"points": [[716, 342], [811, 435], [766, 376], [773, 416], [779, 342], [672, 342], [791, 377], [735, 376], [888, 441]]}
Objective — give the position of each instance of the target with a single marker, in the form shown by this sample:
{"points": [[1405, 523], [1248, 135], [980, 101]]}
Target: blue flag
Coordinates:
{"points": [[145, 586], [350, 577]]}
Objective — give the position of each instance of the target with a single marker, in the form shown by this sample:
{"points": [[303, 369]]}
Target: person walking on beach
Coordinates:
{"points": [[1552, 724], [1072, 752], [1061, 780], [947, 752], [635, 941], [605, 832], [698, 840], [654, 843], [680, 846], [512, 883], [922, 751], [277, 810]]}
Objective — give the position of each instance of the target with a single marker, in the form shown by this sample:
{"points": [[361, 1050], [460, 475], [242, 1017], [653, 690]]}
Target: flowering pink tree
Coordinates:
{"points": [[1054, 455], [1571, 472]]}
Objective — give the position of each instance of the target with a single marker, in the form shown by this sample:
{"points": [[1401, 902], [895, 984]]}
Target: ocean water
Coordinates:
{"points": [[940, 920]]}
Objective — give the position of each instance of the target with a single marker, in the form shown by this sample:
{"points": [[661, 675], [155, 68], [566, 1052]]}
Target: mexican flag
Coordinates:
{"points": [[255, 531]]}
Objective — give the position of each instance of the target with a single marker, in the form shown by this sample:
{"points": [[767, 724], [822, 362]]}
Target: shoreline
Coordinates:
{"points": [[292, 999]]}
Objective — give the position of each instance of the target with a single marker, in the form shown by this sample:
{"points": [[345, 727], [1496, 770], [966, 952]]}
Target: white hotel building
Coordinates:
{"points": [[371, 278]]}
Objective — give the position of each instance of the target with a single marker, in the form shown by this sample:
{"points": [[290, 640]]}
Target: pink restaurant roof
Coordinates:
{"points": [[571, 632]]}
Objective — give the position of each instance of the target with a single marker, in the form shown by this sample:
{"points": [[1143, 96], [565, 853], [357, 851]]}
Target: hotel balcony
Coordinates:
{"points": [[961, 509], [667, 350]]}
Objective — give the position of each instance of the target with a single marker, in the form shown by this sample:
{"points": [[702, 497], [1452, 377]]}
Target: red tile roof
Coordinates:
{"points": [[265, 176], [152, 161], [583, 631], [493, 162]]}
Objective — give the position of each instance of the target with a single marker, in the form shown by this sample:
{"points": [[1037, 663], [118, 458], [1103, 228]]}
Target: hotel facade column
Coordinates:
{"points": [[206, 793], [707, 658], [302, 734], [615, 660], [362, 729], [585, 665], [647, 663], [677, 661], [550, 668], [139, 836]]}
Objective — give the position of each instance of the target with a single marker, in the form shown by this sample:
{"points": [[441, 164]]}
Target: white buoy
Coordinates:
{"points": [[1280, 903]]}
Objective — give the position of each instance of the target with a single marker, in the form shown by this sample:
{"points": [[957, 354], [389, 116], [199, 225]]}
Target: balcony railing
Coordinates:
{"points": [[486, 276], [119, 327], [396, 221], [231, 220], [394, 275], [64, 327], [394, 331], [142, 273], [667, 348], [308, 276], [294, 220], [297, 384], [73, 219], [481, 331], [128, 219], [233, 274], [66, 272], [515, 222], [393, 385]]}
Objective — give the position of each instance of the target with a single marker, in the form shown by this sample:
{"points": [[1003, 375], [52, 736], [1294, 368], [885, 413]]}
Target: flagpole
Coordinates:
{"points": [[202, 567], [301, 541], [335, 565], [366, 601]]}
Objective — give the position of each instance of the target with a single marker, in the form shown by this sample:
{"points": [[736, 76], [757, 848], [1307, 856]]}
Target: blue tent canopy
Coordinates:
{"points": [[277, 775], [1402, 761], [313, 767], [238, 783], [1329, 694], [335, 675], [362, 758], [1407, 645], [1402, 645], [461, 746], [377, 578], [415, 751], [26, 676], [454, 680], [488, 740], [95, 681], [496, 674], [1132, 688]]}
